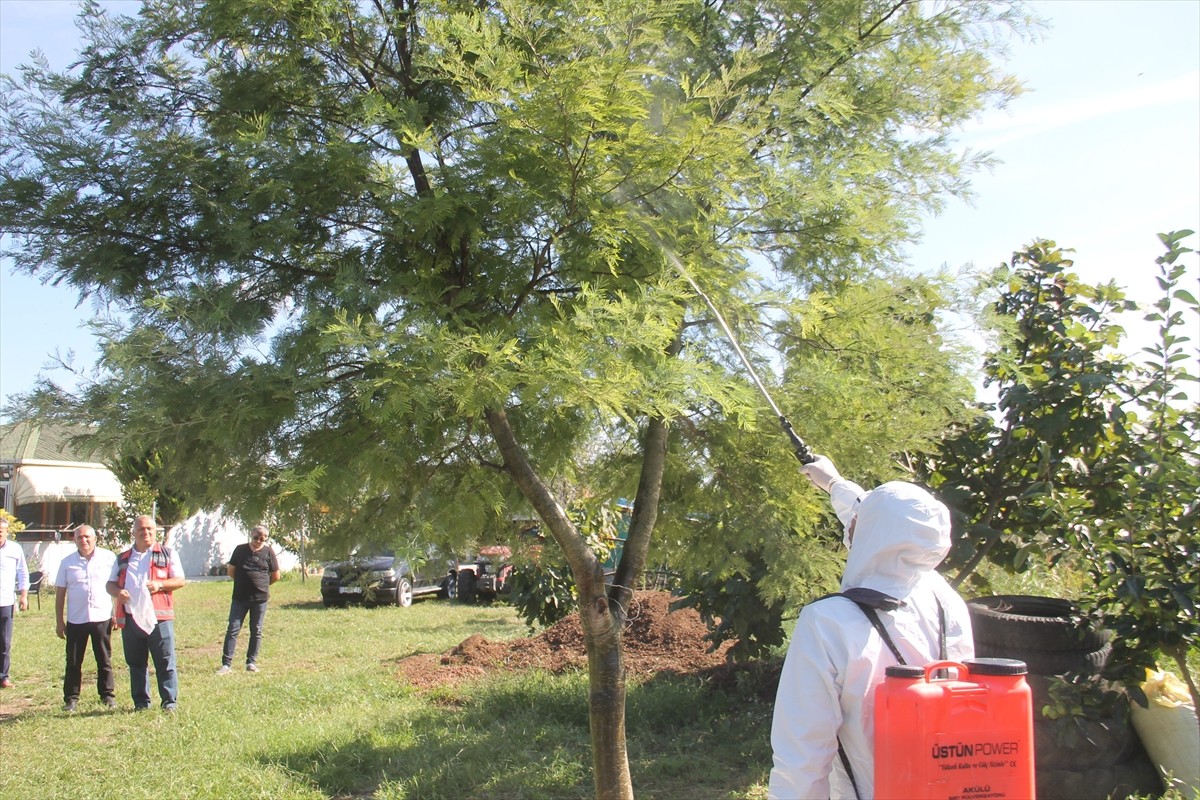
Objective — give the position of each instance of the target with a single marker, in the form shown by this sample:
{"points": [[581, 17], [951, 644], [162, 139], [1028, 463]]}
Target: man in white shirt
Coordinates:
{"points": [[14, 594], [80, 592]]}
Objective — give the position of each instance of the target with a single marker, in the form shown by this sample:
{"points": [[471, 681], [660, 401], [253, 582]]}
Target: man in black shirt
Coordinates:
{"points": [[253, 568]]}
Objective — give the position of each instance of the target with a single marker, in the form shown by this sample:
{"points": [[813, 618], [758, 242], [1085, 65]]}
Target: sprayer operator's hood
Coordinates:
{"points": [[902, 533]]}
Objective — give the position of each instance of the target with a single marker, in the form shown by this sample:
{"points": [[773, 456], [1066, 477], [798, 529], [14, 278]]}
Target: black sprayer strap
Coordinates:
{"points": [[849, 772], [869, 600], [877, 624], [942, 630]]}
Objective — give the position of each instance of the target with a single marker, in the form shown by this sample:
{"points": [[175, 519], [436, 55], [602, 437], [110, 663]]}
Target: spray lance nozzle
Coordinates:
{"points": [[803, 453]]}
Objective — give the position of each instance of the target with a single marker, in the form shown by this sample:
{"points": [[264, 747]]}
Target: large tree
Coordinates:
{"points": [[416, 262]]}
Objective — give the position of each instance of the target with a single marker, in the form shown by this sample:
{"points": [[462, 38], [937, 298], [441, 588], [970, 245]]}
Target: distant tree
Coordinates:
{"points": [[407, 261], [137, 499], [171, 507], [14, 524], [1056, 374]]}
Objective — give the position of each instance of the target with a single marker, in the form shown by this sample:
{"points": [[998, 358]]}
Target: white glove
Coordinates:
{"points": [[821, 472]]}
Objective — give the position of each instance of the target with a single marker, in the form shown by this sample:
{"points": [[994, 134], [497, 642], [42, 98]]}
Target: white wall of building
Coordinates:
{"points": [[206, 540], [44, 556]]}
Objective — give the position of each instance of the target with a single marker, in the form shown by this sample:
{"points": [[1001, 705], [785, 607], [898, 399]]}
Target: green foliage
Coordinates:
{"points": [[147, 468], [341, 233], [1137, 514], [542, 595], [1075, 701], [869, 374], [1056, 377], [1093, 458], [138, 499], [545, 592], [1083, 697], [735, 609]]}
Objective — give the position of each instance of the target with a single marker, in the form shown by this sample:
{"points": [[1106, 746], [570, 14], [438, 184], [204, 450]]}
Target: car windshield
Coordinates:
{"points": [[369, 552]]}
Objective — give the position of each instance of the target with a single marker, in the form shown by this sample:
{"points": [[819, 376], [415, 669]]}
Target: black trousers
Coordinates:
{"points": [[100, 635]]}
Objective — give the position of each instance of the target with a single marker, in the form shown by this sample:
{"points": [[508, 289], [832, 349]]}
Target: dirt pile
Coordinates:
{"points": [[656, 640]]}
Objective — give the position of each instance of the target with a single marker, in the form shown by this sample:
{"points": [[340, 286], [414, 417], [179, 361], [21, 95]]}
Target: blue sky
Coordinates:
{"points": [[1100, 154]]}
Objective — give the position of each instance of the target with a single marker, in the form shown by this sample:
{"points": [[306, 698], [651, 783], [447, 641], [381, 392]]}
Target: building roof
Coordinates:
{"points": [[33, 441]]}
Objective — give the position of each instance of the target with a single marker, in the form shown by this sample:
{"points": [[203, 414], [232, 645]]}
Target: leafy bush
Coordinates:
{"points": [[542, 595], [1088, 456], [1135, 516], [734, 608], [1055, 373]]}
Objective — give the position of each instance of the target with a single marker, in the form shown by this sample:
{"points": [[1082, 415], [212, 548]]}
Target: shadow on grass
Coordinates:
{"points": [[527, 737], [487, 749], [303, 605], [319, 605]]}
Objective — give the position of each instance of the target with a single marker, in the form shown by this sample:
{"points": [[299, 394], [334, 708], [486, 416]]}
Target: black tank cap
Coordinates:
{"points": [[995, 666], [905, 671]]}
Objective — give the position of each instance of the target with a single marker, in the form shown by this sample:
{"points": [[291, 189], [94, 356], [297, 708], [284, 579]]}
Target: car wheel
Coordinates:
{"points": [[466, 587], [448, 588], [331, 603], [404, 593]]}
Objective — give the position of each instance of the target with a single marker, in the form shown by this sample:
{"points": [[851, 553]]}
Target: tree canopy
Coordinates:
{"points": [[405, 260]]}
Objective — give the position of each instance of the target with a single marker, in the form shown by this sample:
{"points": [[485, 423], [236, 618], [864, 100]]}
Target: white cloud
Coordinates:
{"points": [[1001, 128]]}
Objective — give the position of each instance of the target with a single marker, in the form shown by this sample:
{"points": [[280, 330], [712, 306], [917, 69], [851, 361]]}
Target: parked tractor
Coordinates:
{"points": [[485, 577]]}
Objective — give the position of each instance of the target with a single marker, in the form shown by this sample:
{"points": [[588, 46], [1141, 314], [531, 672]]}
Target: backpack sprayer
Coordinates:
{"points": [[803, 453]]}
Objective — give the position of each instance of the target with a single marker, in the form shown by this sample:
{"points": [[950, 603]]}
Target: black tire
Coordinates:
{"points": [[448, 588], [467, 591], [1047, 633], [331, 603], [404, 593], [1049, 662], [1045, 624]]}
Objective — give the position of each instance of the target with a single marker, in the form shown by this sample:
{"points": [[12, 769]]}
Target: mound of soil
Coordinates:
{"points": [[656, 640]]}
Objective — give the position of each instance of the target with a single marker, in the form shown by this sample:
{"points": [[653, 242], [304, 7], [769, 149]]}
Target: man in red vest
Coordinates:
{"points": [[143, 581]]}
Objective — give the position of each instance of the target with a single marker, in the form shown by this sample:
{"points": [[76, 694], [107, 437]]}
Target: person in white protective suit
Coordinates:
{"points": [[897, 535]]}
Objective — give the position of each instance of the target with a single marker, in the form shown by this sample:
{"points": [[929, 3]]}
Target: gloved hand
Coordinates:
{"points": [[821, 472]]}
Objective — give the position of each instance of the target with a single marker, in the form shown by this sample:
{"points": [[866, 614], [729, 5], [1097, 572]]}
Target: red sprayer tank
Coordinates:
{"points": [[965, 737]]}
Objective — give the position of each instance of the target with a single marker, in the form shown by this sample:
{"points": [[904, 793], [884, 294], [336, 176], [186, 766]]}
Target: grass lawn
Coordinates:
{"points": [[328, 716]]}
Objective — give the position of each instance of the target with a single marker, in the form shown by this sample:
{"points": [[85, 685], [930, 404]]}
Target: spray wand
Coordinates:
{"points": [[803, 453]]}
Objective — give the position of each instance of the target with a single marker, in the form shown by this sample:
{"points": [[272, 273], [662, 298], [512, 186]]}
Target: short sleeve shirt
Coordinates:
{"points": [[84, 579], [252, 573], [138, 569]]}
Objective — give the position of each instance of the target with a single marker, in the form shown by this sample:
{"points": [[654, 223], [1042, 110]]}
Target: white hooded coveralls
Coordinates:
{"points": [[836, 659]]}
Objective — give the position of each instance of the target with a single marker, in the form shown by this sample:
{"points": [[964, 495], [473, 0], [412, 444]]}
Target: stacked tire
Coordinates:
{"points": [[1049, 633], [1078, 756]]}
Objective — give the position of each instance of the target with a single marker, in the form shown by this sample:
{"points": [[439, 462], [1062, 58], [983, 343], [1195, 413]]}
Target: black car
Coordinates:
{"points": [[383, 579]]}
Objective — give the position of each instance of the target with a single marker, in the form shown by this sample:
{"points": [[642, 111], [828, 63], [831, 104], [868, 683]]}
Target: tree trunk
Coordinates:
{"points": [[606, 699], [601, 620]]}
